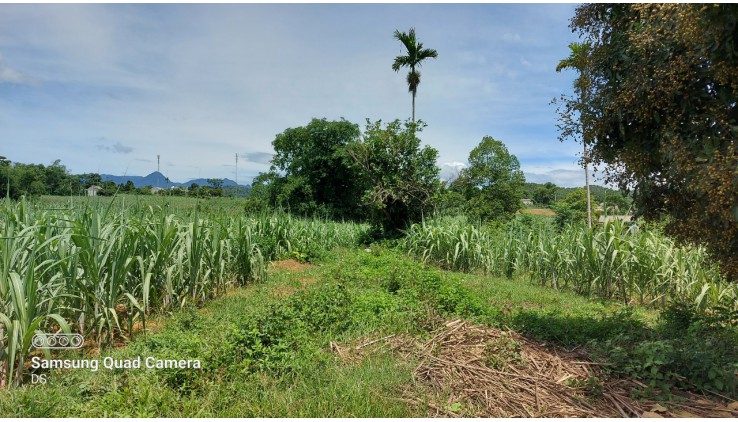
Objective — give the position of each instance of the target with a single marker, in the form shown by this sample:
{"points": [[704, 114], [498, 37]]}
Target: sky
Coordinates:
{"points": [[105, 88]]}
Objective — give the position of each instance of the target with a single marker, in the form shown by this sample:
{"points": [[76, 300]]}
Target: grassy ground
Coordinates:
{"points": [[266, 349]]}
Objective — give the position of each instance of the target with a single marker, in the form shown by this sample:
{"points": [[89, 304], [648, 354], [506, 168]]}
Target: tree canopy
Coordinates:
{"points": [[401, 177], [662, 113], [18, 179], [311, 172], [493, 183]]}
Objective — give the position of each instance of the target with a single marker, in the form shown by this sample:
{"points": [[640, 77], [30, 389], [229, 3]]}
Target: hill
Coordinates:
{"points": [[157, 179]]}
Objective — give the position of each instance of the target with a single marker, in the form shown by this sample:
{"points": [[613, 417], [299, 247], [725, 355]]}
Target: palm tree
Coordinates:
{"points": [[578, 60], [414, 58]]}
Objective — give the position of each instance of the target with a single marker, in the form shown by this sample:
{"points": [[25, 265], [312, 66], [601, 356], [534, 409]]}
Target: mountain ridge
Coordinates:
{"points": [[157, 179]]}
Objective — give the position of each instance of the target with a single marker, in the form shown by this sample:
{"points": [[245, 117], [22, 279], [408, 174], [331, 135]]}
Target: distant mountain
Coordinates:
{"points": [[154, 179], [157, 179], [203, 182]]}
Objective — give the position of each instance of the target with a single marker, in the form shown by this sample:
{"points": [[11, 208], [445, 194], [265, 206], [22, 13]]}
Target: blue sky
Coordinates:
{"points": [[105, 88]]}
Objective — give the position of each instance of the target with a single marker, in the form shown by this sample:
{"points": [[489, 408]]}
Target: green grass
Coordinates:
{"points": [[314, 384], [265, 347]]}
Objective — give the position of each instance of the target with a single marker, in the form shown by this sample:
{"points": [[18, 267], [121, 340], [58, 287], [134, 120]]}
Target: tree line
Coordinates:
{"points": [[383, 175], [32, 180]]}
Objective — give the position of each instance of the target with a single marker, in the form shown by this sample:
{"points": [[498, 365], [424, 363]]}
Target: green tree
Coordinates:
{"points": [[28, 180], [414, 58], [579, 60], [493, 183], [401, 177], [663, 113], [572, 209], [90, 179], [215, 183], [311, 172], [449, 201], [5, 175], [545, 194], [109, 188], [615, 203]]}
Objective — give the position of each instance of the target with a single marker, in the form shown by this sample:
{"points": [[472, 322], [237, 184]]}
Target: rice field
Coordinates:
{"points": [[103, 269], [612, 261]]}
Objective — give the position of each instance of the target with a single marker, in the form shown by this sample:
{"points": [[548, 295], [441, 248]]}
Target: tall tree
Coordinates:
{"points": [[579, 60], [664, 116], [413, 60], [493, 183], [311, 172]]}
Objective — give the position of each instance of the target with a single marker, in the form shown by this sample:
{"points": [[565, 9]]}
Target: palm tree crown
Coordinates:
{"points": [[414, 58]]}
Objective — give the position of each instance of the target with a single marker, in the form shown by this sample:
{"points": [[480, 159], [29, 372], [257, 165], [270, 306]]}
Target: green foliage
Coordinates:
{"points": [[102, 270], [414, 58], [697, 358], [493, 182], [311, 174], [661, 112], [33, 180], [402, 177], [448, 202], [573, 327], [611, 261], [544, 195], [503, 351], [265, 354], [573, 209]]}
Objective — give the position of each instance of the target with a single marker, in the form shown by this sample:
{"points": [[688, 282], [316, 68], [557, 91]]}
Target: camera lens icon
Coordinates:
{"points": [[38, 341], [57, 341]]}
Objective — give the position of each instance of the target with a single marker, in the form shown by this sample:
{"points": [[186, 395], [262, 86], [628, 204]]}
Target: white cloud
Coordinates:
{"points": [[451, 171], [198, 83], [12, 76]]}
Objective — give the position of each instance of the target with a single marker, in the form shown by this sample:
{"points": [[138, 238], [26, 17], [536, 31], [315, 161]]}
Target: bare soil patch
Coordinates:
{"points": [[539, 211], [290, 265], [476, 371]]}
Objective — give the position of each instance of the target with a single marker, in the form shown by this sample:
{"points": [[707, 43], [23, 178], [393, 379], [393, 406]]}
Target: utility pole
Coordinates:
{"points": [[157, 162], [236, 169]]}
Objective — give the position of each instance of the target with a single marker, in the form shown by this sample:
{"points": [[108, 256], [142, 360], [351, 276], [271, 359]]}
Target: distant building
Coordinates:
{"points": [[156, 189], [93, 190], [528, 202]]}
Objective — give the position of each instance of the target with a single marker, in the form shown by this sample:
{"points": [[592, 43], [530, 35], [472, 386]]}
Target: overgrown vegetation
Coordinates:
{"points": [[615, 261], [266, 354], [661, 314], [661, 113], [103, 270]]}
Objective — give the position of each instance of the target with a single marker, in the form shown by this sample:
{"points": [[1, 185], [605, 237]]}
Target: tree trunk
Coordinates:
{"points": [[586, 178], [413, 106]]}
